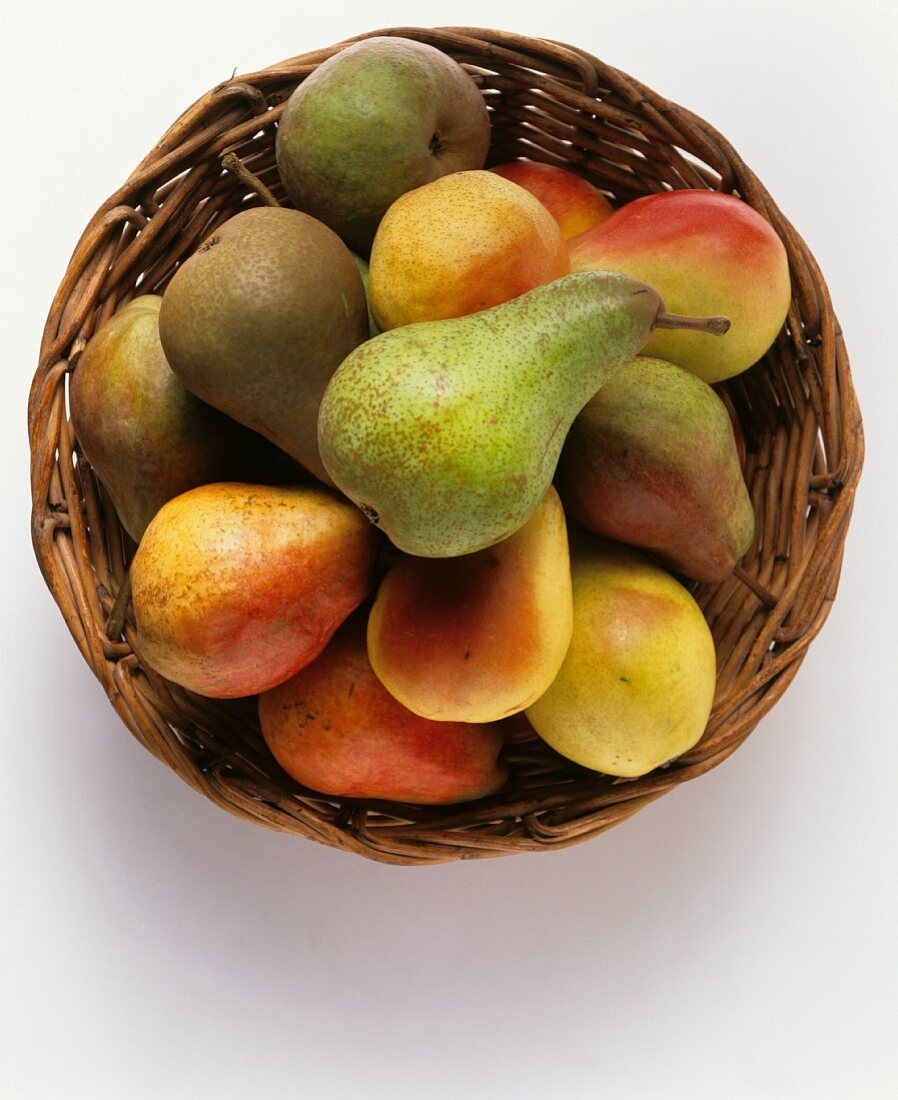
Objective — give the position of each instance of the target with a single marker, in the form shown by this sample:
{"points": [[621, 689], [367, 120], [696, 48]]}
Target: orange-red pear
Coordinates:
{"points": [[236, 587], [335, 728], [477, 637], [705, 253]]}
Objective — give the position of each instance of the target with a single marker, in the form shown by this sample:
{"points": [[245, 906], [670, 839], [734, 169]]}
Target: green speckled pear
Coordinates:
{"points": [[447, 433]]}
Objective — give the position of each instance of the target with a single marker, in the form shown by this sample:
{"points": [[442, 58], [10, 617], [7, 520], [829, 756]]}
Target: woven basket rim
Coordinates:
{"points": [[549, 101]]}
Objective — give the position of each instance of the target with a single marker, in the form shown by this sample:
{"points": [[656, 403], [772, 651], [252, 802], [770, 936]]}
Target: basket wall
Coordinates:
{"points": [[548, 102]]}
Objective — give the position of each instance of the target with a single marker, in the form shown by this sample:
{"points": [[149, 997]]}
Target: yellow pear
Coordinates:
{"points": [[637, 684], [477, 637], [458, 245]]}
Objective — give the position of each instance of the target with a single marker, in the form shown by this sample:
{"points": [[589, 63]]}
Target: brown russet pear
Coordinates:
{"points": [[256, 321], [447, 433], [148, 438], [335, 728], [236, 587], [636, 687], [652, 460], [478, 637]]}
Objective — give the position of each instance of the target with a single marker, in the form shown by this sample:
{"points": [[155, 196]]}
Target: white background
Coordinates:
{"points": [[736, 939]]}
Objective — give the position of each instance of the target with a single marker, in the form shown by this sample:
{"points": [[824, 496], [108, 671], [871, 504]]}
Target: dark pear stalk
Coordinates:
{"points": [[714, 326]]}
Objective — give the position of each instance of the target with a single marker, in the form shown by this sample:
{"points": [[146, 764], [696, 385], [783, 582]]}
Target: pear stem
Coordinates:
{"points": [[116, 621], [717, 326], [232, 163]]}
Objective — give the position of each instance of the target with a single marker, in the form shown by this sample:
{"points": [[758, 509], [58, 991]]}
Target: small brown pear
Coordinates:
{"points": [[256, 321]]}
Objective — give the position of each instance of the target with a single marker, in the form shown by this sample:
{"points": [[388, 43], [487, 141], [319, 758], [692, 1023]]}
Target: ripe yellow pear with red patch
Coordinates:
{"points": [[477, 637], [335, 728], [704, 252], [236, 587], [637, 684]]}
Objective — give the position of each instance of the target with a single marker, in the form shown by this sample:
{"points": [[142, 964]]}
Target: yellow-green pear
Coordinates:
{"points": [[637, 684], [378, 118]]}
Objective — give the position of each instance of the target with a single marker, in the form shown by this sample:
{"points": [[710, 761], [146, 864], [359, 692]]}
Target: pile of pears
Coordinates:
{"points": [[435, 446]]}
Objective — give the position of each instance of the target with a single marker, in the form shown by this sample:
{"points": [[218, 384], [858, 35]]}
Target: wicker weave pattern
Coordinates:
{"points": [[549, 102]]}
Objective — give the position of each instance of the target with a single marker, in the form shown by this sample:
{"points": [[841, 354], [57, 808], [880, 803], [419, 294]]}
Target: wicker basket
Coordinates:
{"points": [[549, 102]]}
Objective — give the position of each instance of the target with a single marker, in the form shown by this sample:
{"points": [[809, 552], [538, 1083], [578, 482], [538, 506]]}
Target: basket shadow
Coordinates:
{"points": [[299, 924]]}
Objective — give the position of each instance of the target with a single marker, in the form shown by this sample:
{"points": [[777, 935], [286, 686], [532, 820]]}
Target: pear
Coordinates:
{"points": [[447, 433], [148, 438], [237, 587], [637, 684], [478, 637], [335, 728], [652, 461], [571, 200], [460, 245], [705, 252], [377, 119], [258, 318]]}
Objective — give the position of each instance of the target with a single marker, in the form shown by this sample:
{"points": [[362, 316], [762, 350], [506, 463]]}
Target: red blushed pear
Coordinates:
{"points": [[237, 587], [677, 488], [477, 637], [571, 200], [336, 729], [147, 436], [705, 253]]}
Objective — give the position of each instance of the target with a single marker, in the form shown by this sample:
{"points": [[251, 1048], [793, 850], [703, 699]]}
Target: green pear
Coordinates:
{"points": [[258, 318], [447, 433], [148, 438], [377, 119], [636, 687], [652, 461]]}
